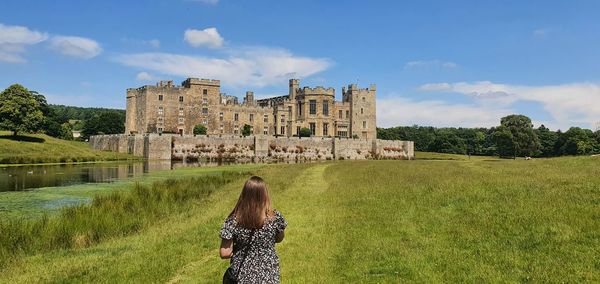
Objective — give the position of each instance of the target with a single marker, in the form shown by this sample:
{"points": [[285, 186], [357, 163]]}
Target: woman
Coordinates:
{"points": [[249, 235]]}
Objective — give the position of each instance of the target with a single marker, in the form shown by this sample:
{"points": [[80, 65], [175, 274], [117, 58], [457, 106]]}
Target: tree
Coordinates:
{"points": [[104, 123], [246, 130], [446, 141], [578, 141], [525, 141], [505, 144], [19, 110], [200, 129], [547, 141], [305, 132]]}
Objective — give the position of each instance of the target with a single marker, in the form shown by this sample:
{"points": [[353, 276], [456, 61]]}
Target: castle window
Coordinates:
{"points": [[313, 128], [236, 129], [326, 108], [161, 111], [204, 110], [220, 116], [265, 130], [266, 118], [180, 111], [364, 124], [298, 130], [181, 120], [205, 122], [361, 110], [160, 119], [236, 117], [205, 101], [325, 129], [347, 114], [312, 107], [299, 108], [160, 130], [251, 117], [283, 119], [363, 98], [205, 92], [180, 99], [160, 97], [283, 130], [221, 128]]}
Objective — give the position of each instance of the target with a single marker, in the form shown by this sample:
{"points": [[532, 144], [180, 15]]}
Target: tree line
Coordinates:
{"points": [[514, 137], [25, 111]]}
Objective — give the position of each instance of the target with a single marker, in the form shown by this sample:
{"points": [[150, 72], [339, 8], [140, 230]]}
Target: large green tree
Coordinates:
{"points": [[505, 142], [19, 110], [104, 123], [578, 141], [548, 141], [247, 130], [525, 140]]}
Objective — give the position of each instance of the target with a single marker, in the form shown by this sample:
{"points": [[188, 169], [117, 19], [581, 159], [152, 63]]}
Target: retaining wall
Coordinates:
{"points": [[202, 147]]}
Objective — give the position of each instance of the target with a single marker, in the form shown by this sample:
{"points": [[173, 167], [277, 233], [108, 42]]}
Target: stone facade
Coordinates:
{"points": [[256, 148], [167, 108]]}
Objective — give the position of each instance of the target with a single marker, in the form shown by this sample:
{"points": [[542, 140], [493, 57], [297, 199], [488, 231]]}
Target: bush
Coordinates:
{"points": [[305, 132], [199, 129]]}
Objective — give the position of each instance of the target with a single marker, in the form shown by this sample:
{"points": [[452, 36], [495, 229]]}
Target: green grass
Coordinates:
{"points": [[40, 148], [453, 157], [372, 222]]}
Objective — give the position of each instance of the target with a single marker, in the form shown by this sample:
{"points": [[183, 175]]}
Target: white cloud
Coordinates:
{"points": [[208, 37], [395, 111], [251, 66], [13, 40], [79, 47], [567, 104], [145, 76], [429, 64]]}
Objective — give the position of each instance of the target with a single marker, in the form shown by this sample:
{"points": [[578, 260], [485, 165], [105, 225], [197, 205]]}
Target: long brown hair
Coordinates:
{"points": [[254, 204]]}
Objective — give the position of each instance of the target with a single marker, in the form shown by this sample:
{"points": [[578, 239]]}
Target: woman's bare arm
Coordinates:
{"points": [[226, 250], [279, 237]]}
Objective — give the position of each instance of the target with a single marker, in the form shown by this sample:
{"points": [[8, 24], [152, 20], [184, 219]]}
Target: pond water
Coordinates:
{"points": [[20, 178]]}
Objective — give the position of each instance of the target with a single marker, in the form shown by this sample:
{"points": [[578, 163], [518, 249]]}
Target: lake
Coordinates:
{"points": [[19, 178]]}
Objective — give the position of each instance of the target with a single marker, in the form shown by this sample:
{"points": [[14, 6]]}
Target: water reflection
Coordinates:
{"points": [[30, 177]]}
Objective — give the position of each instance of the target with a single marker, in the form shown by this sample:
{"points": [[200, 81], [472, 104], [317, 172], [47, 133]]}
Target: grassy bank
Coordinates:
{"points": [[371, 222], [39, 148], [112, 215]]}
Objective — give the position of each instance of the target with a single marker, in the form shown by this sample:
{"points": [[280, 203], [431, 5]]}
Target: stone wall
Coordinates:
{"points": [[202, 147]]}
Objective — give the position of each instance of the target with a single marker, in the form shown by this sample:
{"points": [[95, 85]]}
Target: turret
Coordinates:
{"points": [[293, 88], [249, 99]]}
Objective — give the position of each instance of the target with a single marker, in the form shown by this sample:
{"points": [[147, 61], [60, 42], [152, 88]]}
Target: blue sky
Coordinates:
{"points": [[440, 63]]}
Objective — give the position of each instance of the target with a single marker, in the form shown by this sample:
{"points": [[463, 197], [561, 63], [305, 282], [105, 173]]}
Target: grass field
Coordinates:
{"points": [[39, 148], [369, 222]]}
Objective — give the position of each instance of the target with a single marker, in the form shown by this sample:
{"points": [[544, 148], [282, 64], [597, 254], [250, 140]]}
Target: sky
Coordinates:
{"points": [[438, 63]]}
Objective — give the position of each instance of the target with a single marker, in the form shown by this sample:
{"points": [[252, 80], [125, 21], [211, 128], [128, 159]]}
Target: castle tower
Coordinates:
{"points": [[294, 83], [362, 111]]}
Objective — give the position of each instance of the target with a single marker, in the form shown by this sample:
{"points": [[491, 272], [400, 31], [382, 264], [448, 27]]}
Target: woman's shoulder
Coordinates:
{"points": [[278, 220]]}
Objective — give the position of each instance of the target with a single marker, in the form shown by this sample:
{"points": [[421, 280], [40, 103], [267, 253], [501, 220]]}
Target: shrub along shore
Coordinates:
{"points": [[114, 215]]}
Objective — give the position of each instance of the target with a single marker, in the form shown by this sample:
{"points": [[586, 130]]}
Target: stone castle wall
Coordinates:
{"points": [[262, 147]]}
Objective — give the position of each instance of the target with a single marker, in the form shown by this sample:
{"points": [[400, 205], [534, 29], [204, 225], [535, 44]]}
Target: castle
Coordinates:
{"points": [[160, 121], [167, 108]]}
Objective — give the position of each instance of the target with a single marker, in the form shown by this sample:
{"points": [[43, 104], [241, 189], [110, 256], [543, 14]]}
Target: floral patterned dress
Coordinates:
{"points": [[261, 265]]}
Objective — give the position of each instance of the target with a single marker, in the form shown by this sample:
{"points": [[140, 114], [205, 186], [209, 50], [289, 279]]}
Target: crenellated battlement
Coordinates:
{"points": [[318, 90]]}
